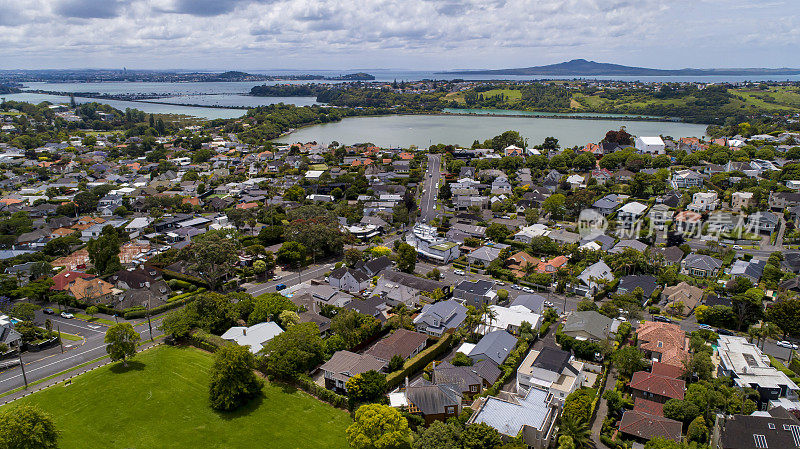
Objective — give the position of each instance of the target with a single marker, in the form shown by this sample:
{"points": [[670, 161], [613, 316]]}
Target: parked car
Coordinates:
{"points": [[705, 327], [280, 287], [459, 272], [527, 289], [515, 286], [548, 304], [500, 283], [786, 344], [662, 319], [724, 332], [737, 247], [48, 311], [67, 315]]}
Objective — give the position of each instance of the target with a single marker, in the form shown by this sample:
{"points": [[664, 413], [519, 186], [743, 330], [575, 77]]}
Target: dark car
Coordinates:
{"points": [[724, 332], [48, 311], [663, 319], [280, 287]]}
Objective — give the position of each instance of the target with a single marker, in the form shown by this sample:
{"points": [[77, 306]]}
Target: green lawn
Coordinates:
{"points": [[95, 319], [70, 337], [161, 400]]}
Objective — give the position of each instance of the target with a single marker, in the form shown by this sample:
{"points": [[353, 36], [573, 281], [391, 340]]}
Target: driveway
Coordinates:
{"points": [[602, 411]]}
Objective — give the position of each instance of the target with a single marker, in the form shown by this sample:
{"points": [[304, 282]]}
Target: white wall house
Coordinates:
{"points": [[650, 145]]}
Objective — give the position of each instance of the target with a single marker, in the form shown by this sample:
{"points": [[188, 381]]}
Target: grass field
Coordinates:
{"points": [[95, 319], [70, 337], [161, 400]]}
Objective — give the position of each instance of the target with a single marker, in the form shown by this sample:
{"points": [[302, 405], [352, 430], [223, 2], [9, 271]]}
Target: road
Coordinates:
{"points": [[52, 361], [430, 190]]}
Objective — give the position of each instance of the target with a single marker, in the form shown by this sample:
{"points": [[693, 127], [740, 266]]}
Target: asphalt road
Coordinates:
{"points": [[52, 361], [432, 176]]}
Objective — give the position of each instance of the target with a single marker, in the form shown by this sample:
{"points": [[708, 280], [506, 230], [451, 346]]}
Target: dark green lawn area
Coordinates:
{"points": [[161, 401]]}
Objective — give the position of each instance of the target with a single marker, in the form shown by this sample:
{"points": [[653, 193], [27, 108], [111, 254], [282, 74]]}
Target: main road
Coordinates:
{"points": [[41, 365], [430, 188]]}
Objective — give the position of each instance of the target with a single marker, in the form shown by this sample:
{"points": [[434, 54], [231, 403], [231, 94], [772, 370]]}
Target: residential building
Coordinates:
{"points": [[432, 401], [550, 369], [762, 222], [509, 319], [682, 298], [650, 145], [402, 342], [645, 426], [8, 335], [630, 213], [750, 368], [774, 429], [425, 239], [396, 287], [749, 269], [684, 179], [740, 200], [663, 342], [781, 200], [530, 415], [345, 364], [592, 279], [469, 380], [703, 202], [254, 337], [589, 325], [437, 318], [475, 293], [494, 346], [700, 265], [656, 387], [629, 284], [349, 280]]}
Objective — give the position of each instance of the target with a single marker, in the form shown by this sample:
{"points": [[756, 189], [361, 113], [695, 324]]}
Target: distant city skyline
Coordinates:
{"points": [[262, 35]]}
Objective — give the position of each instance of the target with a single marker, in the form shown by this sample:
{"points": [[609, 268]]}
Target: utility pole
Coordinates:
{"points": [[58, 326], [149, 298], [22, 365]]}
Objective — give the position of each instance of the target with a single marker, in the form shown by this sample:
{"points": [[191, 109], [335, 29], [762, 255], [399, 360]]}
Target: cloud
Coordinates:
{"points": [[434, 34], [89, 9]]}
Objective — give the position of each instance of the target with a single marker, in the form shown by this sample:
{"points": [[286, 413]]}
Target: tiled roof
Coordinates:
{"points": [[657, 384], [647, 426]]}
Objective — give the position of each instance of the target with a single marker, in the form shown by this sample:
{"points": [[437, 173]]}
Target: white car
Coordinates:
{"points": [[501, 283], [737, 247], [458, 272], [527, 290], [515, 286], [67, 315], [548, 304], [786, 344]]}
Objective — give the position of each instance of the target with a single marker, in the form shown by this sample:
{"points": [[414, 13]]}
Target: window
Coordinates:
{"points": [[771, 425], [473, 388]]}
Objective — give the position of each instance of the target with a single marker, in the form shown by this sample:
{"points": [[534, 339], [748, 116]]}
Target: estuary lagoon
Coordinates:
{"points": [[425, 130]]}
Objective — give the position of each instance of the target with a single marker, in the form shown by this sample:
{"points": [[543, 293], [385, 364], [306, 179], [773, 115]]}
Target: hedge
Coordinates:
{"points": [[419, 361], [509, 367], [613, 444], [205, 341], [782, 368], [169, 274], [309, 386], [172, 304]]}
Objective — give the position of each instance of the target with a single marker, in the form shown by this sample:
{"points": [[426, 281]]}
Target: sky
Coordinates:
{"points": [[395, 34]]}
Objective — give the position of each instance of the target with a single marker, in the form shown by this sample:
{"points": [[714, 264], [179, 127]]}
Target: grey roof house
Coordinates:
{"points": [[436, 319], [494, 346]]}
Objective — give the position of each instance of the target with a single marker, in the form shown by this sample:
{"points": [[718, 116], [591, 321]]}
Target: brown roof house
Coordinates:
{"points": [[682, 298], [664, 342], [434, 402], [344, 365], [402, 342]]}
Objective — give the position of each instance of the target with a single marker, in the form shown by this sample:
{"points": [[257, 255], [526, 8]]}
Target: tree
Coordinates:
{"points": [[480, 436], [497, 232], [104, 251], [27, 427], [24, 311], [178, 323], [92, 311], [786, 315], [213, 256], [628, 360], [270, 307], [233, 381], [121, 340], [578, 431], [614, 400], [439, 435], [366, 387], [406, 258], [378, 426], [293, 352], [445, 192], [396, 363], [584, 162], [352, 256], [578, 405], [461, 359], [502, 294], [555, 205], [293, 254], [565, 442], [289, 318], [698, 431]]}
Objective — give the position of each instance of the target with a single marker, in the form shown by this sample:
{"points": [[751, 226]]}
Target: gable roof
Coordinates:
{"points": [[589, 321], [778, 430], [345, 364], [552, 359], [417, 283], [647, 426], [495, 345], [402, 342], [658, 384], [431, 399]]}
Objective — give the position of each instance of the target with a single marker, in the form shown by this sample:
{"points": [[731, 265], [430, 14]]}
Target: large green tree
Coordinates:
{"points": [[104, 251], [480, 436], [293, 352], [439, 435], [121, 340], [406, 258], [233, 379], [366, 387], [213, 256], [27, 427], [378, 426], [786, 315]]}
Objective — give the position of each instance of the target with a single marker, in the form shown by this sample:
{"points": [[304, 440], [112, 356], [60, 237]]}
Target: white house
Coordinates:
{"points": [[254, 336], [703, 202], [650, 145], [349, 280], [425, 239], [630, 212], [552, 370]]}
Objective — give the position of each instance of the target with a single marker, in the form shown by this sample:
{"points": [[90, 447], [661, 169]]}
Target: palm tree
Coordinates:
{"points": [[488, 315], [580, 432]]}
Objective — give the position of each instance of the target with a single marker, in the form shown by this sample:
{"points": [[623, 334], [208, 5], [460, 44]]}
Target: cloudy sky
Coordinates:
{"points": [[398, 34]]}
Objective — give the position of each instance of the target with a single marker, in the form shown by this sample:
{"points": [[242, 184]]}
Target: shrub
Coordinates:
{"points": [[173, 303], [419, 361], [309, 386]]}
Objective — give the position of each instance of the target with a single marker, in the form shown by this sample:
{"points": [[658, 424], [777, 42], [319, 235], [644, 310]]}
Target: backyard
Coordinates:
{"points": [[163, 397]]}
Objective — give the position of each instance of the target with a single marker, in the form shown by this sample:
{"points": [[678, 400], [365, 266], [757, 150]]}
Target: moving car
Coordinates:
{"points": [[48, 311], [737, 247], [280, 287], [786, 344], [705, 327], [724, 332], [67, 315], [459, 272], [662, 319]]}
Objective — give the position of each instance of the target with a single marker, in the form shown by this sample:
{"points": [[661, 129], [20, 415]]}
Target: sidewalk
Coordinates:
{"points": [[602, 411], [66, 376]]}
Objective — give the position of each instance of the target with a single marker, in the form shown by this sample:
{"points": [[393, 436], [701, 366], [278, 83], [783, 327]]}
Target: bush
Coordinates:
{"points": [[205, 341], [174, 303], [309, 386], [579, 404]]}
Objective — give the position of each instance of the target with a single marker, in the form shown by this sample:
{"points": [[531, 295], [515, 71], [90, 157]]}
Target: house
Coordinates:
{"points": [[528, 233], [589, 325], [740, 200], [669, 256], [402, 342], [254, 337], [437, 318], [532, 302], [649, 145], [684, 179], [607, 204], [550, 369], [8, 335], [663, 342], [744, 362], [349, 280], [433, 401], [509, 319], [375, 266], [656, 387], [630, 213], [534, 417], [92, 290], [773, 429], [700, 265], [425, 239], [682, 298], [762, 222], [645, 426], [628, 243], [396, 287], [484, 255], [475, 293], [629, 284], [592, 279], [750, 269], [494, 346], [703, 202], [469, 380], [781, 200], [345, 364]]}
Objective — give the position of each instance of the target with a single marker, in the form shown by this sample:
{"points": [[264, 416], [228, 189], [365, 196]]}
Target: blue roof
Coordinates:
{"points": [[495, 345]]}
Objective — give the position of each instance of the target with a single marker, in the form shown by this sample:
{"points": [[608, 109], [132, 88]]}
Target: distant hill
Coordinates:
{"points": [[360, 76], [582, 67], [8, 89]]}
